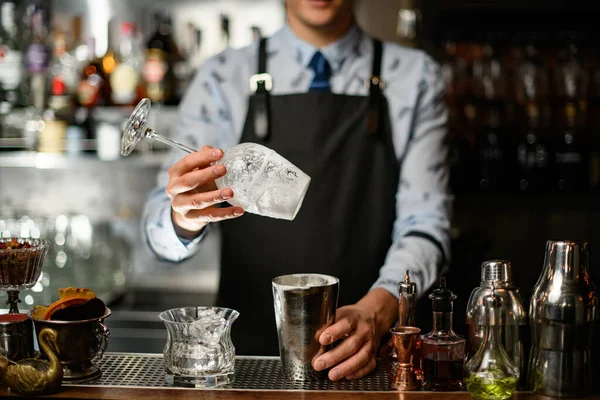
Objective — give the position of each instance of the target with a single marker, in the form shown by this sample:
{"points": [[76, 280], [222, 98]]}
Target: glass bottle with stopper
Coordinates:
{"points": [[491, 374], [443, 350]]}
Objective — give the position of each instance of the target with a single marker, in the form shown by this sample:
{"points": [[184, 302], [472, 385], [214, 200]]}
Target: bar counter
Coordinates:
{"points": [[133, 375]]}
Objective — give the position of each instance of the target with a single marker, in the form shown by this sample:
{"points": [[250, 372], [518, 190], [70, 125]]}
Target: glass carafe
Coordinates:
{"points": [[443, 350]]}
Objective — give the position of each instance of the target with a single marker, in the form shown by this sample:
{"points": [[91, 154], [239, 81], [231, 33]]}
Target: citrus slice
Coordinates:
{"points": [[62, 303], [84, 293], [38, 312], [94, 308]]}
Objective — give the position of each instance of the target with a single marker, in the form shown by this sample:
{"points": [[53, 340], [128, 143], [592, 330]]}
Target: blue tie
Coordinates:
{"points": [[322, 70]]}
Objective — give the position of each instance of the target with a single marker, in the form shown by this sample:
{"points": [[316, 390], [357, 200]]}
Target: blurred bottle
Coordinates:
{"points": [[79, 49], [64, 76], [570, 139], [37, 58], [408, 24], [182, 65], [11, 59], [52, 137], [109, 62], [493, 143], [460, 147], [91, 90], [533, 152], [161, 55], [125, 80], [594, 122]]}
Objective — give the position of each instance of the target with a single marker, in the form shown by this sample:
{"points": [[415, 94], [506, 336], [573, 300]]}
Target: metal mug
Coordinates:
{"points": [[305, 305], [16, 336], [79, 342]]}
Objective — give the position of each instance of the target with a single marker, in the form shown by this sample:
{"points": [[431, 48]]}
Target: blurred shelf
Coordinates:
{"points": [[30, 159], [499, 202]]}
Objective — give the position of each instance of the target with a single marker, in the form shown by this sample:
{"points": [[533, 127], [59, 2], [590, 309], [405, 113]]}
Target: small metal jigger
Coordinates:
{"points": [[405, 342]]}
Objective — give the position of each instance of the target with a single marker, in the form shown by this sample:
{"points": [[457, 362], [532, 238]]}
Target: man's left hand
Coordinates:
{"points": [[359, 327]]}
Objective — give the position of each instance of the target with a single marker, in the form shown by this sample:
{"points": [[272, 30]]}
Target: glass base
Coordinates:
{"points": [[206, 381]]}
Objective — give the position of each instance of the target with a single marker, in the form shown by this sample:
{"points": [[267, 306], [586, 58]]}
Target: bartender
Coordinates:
{"points": [[366, 121]]}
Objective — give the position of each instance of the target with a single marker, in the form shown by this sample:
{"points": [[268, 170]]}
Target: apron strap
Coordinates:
{"points": [[375, 90], [261, 84]]}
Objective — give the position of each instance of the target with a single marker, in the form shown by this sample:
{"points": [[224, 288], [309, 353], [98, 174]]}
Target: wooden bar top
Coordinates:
{"points": [[136, 375], [117, 393], [87, 392]]}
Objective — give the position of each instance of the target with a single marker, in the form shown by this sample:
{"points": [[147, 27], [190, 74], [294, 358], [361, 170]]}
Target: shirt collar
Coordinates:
{"points": [[335, 53]]}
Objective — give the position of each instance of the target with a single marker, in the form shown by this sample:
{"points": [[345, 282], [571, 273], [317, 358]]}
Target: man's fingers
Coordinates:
{"points": [[200, 159], [352, 364], [196, 201], [364, 370], [347, 348], [214, 214], [193, 179], [342, 327]]}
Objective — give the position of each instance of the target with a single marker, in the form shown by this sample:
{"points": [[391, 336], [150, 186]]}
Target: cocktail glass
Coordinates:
{"points": [[20, 267]]}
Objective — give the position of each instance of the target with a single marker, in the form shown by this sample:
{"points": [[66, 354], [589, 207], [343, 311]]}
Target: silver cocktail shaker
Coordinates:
{"points": [[305, 305], [562, 315], [512, 318]]}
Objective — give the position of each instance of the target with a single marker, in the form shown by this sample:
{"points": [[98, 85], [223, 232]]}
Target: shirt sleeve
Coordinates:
{"points": [[421, 242], [204, 119]]}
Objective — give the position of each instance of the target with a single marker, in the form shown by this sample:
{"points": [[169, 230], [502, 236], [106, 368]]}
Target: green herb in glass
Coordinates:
{"points": [[491, 374]]}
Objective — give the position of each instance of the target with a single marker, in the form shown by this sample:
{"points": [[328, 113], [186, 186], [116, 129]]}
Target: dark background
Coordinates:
{"points": [[505, 223]]}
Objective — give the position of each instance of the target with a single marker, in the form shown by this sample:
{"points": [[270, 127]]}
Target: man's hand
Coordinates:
{"points": [[193, 192], [359, 327]]}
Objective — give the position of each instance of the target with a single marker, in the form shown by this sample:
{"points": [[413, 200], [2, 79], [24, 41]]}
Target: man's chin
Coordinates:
{"points": [[320, 20]]}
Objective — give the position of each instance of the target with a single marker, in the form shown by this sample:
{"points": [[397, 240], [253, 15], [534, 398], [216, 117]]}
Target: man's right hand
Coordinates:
{"points": [[193, 192]]}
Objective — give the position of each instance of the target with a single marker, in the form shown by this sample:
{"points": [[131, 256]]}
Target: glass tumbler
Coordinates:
{"points": [[199, 352]]}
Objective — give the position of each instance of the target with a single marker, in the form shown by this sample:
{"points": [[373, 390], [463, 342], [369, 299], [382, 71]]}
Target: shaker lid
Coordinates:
{"points": [[442, 298], [407, 286], [496, 271]]}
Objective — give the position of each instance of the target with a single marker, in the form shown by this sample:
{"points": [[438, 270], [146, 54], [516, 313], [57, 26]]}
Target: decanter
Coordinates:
{"points": [[443, 350]]}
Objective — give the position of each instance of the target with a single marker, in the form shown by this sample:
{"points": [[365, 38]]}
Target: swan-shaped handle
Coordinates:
{"points": [[102, 333]]}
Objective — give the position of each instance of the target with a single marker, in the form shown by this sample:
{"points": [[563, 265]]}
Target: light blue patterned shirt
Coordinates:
{"points": [[214, 109]]}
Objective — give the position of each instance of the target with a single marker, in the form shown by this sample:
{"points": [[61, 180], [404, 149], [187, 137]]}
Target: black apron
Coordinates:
{"points": [[344, 227]]}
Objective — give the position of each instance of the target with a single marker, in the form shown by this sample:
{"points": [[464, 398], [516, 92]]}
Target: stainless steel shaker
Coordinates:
{"points": [[305, 305], [512, 318], [562, 314]]}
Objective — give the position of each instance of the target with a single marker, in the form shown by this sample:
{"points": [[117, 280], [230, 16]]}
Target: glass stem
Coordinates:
{"points": [[13, 301], [153, 135]]}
